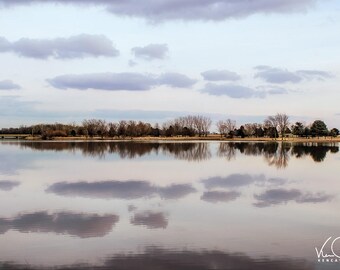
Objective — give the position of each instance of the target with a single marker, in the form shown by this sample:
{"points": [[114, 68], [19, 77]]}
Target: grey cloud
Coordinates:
{"points": [[75, 224], [119, 81], [212, 10], [151, 51], [8, 85], [220, 196], [104, 81], [5, 45], [176, 80], [232, 91], [79, 46], [220, 75], [314, 74], [150, 219], [273, 90], [8, 185], [127, 190], [283, 196], [132, 63], [280, 76]]}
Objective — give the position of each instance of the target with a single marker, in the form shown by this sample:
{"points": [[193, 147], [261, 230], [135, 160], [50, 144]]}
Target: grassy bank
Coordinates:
{"points": [[208, 138]]}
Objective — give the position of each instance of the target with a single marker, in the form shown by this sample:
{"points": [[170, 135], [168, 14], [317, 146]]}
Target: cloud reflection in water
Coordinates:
{"points": [[74, 224], [128, 190]]}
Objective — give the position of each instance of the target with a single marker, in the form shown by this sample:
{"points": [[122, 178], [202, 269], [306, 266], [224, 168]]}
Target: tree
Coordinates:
{"points": [[270, 125], [334, 132], [249, 129], [319, 128], [113, 127], [102, 129], [282, 121], [169, 132], [222, 128], [278, 122], [298, 129], [259, 132], [226, 127], [121, 130], [73, 133], [241, 132], [202, 124]]}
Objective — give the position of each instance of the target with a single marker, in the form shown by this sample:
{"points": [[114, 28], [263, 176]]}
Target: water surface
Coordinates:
{"points": [[183, 205]]}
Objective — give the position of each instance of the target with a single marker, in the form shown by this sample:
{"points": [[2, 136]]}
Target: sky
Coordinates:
{"points": [[153, 60]]}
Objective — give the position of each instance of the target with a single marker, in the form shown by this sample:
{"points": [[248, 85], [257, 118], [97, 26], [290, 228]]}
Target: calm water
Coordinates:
{"points": [[105, 205]]}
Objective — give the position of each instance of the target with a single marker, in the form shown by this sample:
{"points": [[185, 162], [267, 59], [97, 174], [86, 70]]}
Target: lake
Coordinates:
{"points": [[182, 205]]}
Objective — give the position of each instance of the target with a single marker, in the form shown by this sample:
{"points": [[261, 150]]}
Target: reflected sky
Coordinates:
{"points": [[75, 224], [128, 190], [151, 220], [8, 185], [275, 153], [209, 205], [220, 196], [283, 196], [157, 258]]}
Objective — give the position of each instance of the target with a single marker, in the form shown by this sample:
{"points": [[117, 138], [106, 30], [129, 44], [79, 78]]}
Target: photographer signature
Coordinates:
{"points": [[321, 254]]}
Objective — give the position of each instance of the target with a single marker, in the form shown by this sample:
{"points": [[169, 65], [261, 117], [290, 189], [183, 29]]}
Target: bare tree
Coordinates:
{"points": [[231, 125], [202, 124], [249, 129], [222, 128], [113, 127], [226, 127], [282, 121], [271, 124]]}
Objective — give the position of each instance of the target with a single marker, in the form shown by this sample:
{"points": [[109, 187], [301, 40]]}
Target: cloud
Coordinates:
{"points": [[79, 46], [128, 81], [151, 51], [280, 76], [232, 91], [8, 85], [151, 220], [8, 185], [132, 63], [220, 196], [314, 74], [220, 75], [273, 90], [283, 196], [104, 81], [127, 190], [75, 224], [212, 10], [176, 80]]}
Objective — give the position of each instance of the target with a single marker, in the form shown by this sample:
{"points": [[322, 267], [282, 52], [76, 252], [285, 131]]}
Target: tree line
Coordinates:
{"points": [[187, 126], [274, 127]]}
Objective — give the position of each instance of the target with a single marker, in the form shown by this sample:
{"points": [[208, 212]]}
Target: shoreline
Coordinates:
{"points": [[216, 138]]}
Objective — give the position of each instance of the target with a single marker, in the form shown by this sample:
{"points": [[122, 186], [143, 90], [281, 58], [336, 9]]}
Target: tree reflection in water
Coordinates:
{"points": [[275, 153], [153, 258]]}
